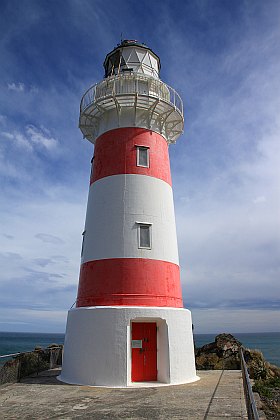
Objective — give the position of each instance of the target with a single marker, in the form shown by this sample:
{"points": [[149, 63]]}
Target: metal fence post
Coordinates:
{"points": [[19, 369]]}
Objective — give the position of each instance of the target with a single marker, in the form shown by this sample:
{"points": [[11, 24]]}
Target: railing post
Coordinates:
{"points": [[38, 363], [19, 369], [51, 359]]}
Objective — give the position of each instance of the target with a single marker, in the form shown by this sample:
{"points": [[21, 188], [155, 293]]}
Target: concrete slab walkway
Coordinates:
{"points": [[218, 394]]}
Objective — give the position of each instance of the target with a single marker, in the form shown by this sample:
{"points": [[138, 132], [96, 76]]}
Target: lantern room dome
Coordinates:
{"points": [[132, 56]]}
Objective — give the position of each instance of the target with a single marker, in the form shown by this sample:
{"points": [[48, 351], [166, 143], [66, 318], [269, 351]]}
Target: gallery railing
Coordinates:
{"points": [[131, 84]]}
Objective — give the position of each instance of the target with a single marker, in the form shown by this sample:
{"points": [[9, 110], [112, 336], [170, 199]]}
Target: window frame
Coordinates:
{"points": [[145, 224], [147, 149], [83, 243], [91, 166]]}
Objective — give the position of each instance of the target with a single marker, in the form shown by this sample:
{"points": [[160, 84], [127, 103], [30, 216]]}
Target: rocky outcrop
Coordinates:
{"points": [[258, 367], [223, 353], [27, 363]]}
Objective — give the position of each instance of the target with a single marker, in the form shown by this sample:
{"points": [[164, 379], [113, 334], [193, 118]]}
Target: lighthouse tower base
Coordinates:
{"points": [[125, 346]]}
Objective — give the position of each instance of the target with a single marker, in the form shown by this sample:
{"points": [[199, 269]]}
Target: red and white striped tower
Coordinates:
{"points": [[129, 324]]}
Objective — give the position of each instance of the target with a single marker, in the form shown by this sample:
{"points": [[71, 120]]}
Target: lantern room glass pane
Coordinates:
{"points": [[144, 236]]}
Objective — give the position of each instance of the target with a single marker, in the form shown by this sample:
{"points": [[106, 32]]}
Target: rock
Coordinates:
{"points": [[223, 353], [28, 363], [258, 367]]}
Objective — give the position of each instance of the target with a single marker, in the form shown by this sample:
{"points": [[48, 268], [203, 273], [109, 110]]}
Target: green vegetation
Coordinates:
{"points": [[33, 362], [266, 387], [269, 391]]}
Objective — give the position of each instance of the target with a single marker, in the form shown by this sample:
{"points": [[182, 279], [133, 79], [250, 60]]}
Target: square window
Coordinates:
{"points": [[83, 243], [144, 236], [92, 167], [143, 156]]}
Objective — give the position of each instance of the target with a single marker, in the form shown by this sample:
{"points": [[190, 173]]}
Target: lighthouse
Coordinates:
{"points": [[129, 326]]}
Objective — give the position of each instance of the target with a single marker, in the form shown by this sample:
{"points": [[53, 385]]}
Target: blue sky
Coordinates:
{"points": [[223, 59]]}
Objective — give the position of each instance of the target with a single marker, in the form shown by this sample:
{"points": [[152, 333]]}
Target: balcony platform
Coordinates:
{"points": [[131, 100]]}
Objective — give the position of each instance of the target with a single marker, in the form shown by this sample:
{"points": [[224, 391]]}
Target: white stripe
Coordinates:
{"points": [[116, 205]]}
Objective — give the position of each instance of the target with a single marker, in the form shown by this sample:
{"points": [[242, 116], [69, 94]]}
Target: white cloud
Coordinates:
{"points": [[226, 184], [7, 135], [17, 87], [19, 139], [34, 89], [229, 241], [41, 137], [49, 238], [34, 137], [259, 199], [3, 119], [207, 321], [20, 319], [39, 278]]}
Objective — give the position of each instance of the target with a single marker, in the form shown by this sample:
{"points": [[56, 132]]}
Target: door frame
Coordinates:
{"points": [[163, 361], [144, 359]]}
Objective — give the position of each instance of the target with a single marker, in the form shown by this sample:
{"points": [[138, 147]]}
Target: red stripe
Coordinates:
{"points": [[131, 282], [115, 153]]}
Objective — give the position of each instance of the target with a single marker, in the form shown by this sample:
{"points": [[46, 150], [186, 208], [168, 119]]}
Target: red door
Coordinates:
{"points": [[144, 352]]}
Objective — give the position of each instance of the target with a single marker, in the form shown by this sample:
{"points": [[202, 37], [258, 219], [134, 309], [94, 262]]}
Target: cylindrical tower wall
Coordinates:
{"points": [[125, 194], [115, 153]]}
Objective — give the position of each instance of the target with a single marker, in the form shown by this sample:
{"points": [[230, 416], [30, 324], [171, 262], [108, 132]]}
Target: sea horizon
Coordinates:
{"points": [[267, 342], [208, 333]]}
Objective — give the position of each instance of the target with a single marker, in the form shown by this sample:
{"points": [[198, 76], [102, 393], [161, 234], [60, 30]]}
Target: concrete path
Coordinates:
{"points": [[218, 394]]}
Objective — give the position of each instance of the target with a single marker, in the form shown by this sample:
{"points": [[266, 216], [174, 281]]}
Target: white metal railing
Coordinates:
{"points": [[131, 84]]}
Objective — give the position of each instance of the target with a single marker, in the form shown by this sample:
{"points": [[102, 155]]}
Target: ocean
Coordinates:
{"points": [[268, 343], [14, 342]]}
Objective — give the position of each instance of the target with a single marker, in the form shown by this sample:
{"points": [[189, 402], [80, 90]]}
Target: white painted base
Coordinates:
{"points": [[97, 350]]}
